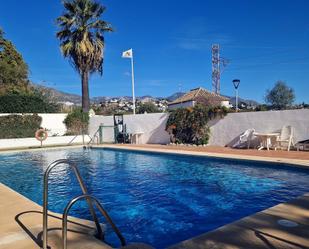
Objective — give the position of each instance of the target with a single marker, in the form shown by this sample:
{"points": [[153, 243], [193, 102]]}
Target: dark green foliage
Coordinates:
{"points": [[19, 126], [13, 69], [76, 122], [280, 96], [261, 108], [26, 103], [148, 107], [190, 125]]}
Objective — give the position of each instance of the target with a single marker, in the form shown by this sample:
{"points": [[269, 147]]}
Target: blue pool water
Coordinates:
{"points": [[159, 199]]}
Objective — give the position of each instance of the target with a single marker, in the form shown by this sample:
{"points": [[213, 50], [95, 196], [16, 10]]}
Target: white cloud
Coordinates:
{"points": [[197, 34]]}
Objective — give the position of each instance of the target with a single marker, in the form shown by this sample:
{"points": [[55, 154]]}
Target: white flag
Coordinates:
{"points": [[127, 54]]}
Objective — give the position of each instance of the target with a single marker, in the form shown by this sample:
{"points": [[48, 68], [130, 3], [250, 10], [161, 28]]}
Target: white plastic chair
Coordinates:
{"points": [[286, 138], [245, 138]]}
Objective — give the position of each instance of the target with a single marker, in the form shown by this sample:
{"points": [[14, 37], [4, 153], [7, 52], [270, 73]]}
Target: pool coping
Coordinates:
{"points": [[274, 160], [38, 148], [300, 163], [259, 230], [21, 224], [244, 226]]}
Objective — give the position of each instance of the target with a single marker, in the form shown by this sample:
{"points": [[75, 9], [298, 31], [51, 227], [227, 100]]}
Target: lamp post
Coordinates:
{"points": [[236, 83]]}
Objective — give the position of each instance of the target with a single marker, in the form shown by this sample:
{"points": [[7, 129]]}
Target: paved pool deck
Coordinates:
{"points": [[296, 158], [260, 231], [21, 225], [21, 219]]}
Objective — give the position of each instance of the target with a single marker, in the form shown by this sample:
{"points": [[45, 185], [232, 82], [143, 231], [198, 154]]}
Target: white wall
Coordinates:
{"points": [[152, 124], [53, 122], [223, 131], [32, 142], [227, 130]]}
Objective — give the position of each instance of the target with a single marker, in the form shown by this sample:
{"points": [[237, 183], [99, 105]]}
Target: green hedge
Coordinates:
{"points": [[26, 103], [76, 122], [190, 125], [19, 126]]}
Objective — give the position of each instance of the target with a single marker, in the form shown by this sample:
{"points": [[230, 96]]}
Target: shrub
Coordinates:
{"points": [[26, 103], [19, 126], [190, 125], [76, 122], [147, 107]]}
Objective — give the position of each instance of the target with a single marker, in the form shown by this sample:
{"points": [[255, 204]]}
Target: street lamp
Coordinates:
{"points": [[236, 83]]}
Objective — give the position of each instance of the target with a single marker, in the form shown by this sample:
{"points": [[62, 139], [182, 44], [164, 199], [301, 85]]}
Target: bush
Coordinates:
{"points": [[26, 103], [76, 122], [19, 126], [189, 125], [148, 107]]}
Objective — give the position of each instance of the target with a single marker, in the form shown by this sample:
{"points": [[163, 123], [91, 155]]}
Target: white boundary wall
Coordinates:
{"points": [[53, 122], [152, 124], [227, 130], [32, 142], [223, 131]]}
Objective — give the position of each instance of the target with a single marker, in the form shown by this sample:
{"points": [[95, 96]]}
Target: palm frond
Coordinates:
{"points": [[82, 34], [69, 6], [101, 25], [64, 34]]}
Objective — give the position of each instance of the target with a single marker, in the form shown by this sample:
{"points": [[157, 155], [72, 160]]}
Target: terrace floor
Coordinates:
{"points": [[21, 226], [258, 231], [300, 158], [21, 219]]}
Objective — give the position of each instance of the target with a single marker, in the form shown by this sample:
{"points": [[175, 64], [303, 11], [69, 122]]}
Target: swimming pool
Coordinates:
{"points": [[160, 199]]}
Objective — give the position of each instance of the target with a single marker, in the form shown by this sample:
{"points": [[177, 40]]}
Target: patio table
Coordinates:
{"points": [[137, 136], [266, 139]]}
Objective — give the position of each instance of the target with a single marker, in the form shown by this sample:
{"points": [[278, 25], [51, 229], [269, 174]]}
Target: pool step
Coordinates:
{"points": [[66, 226]]}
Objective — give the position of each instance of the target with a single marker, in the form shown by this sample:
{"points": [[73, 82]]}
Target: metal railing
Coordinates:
{"points": [[45, 198], [89, 198], [95, 136]]}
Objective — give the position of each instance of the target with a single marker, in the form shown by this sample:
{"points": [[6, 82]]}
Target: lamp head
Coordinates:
{"points": [[236, 83]]}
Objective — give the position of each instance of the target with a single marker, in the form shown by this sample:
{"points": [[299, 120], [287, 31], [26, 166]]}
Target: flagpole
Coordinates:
{"points": [[133, 93]]}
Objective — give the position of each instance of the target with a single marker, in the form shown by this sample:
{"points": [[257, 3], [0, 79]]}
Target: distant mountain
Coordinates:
{"points": [[125, 98], [248, 102], [59, 96], [175, 96]]}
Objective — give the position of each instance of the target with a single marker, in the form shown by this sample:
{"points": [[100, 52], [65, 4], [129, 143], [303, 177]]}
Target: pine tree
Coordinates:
{"points": [[13, 69]]}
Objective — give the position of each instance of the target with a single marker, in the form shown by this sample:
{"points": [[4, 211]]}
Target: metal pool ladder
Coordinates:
{"points": [[90, 199]]}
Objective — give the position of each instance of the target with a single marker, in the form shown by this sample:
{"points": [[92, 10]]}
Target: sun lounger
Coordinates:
{"points": [[245, 139]]}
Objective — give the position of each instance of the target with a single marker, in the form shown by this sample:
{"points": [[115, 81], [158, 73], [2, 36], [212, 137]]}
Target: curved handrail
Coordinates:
{"points": [[45, 198], [101, 209], [93, 136]]}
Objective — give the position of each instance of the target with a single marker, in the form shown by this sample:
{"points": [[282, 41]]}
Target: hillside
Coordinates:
{"points": [[59, 96]]}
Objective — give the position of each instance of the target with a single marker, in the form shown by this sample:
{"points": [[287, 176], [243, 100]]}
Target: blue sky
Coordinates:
{"points": [[265, 41]]}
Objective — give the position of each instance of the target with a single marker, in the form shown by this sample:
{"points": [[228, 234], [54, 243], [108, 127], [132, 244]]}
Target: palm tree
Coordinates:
{"points": [[81, 38]]}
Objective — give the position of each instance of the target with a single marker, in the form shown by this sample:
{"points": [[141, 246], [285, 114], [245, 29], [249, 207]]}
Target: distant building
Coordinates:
{"points": [[147, 100], [66, 106], [199, 96]]}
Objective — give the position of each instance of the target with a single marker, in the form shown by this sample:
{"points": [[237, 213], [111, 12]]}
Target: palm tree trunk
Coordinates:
{"points": [[85, 92]]}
